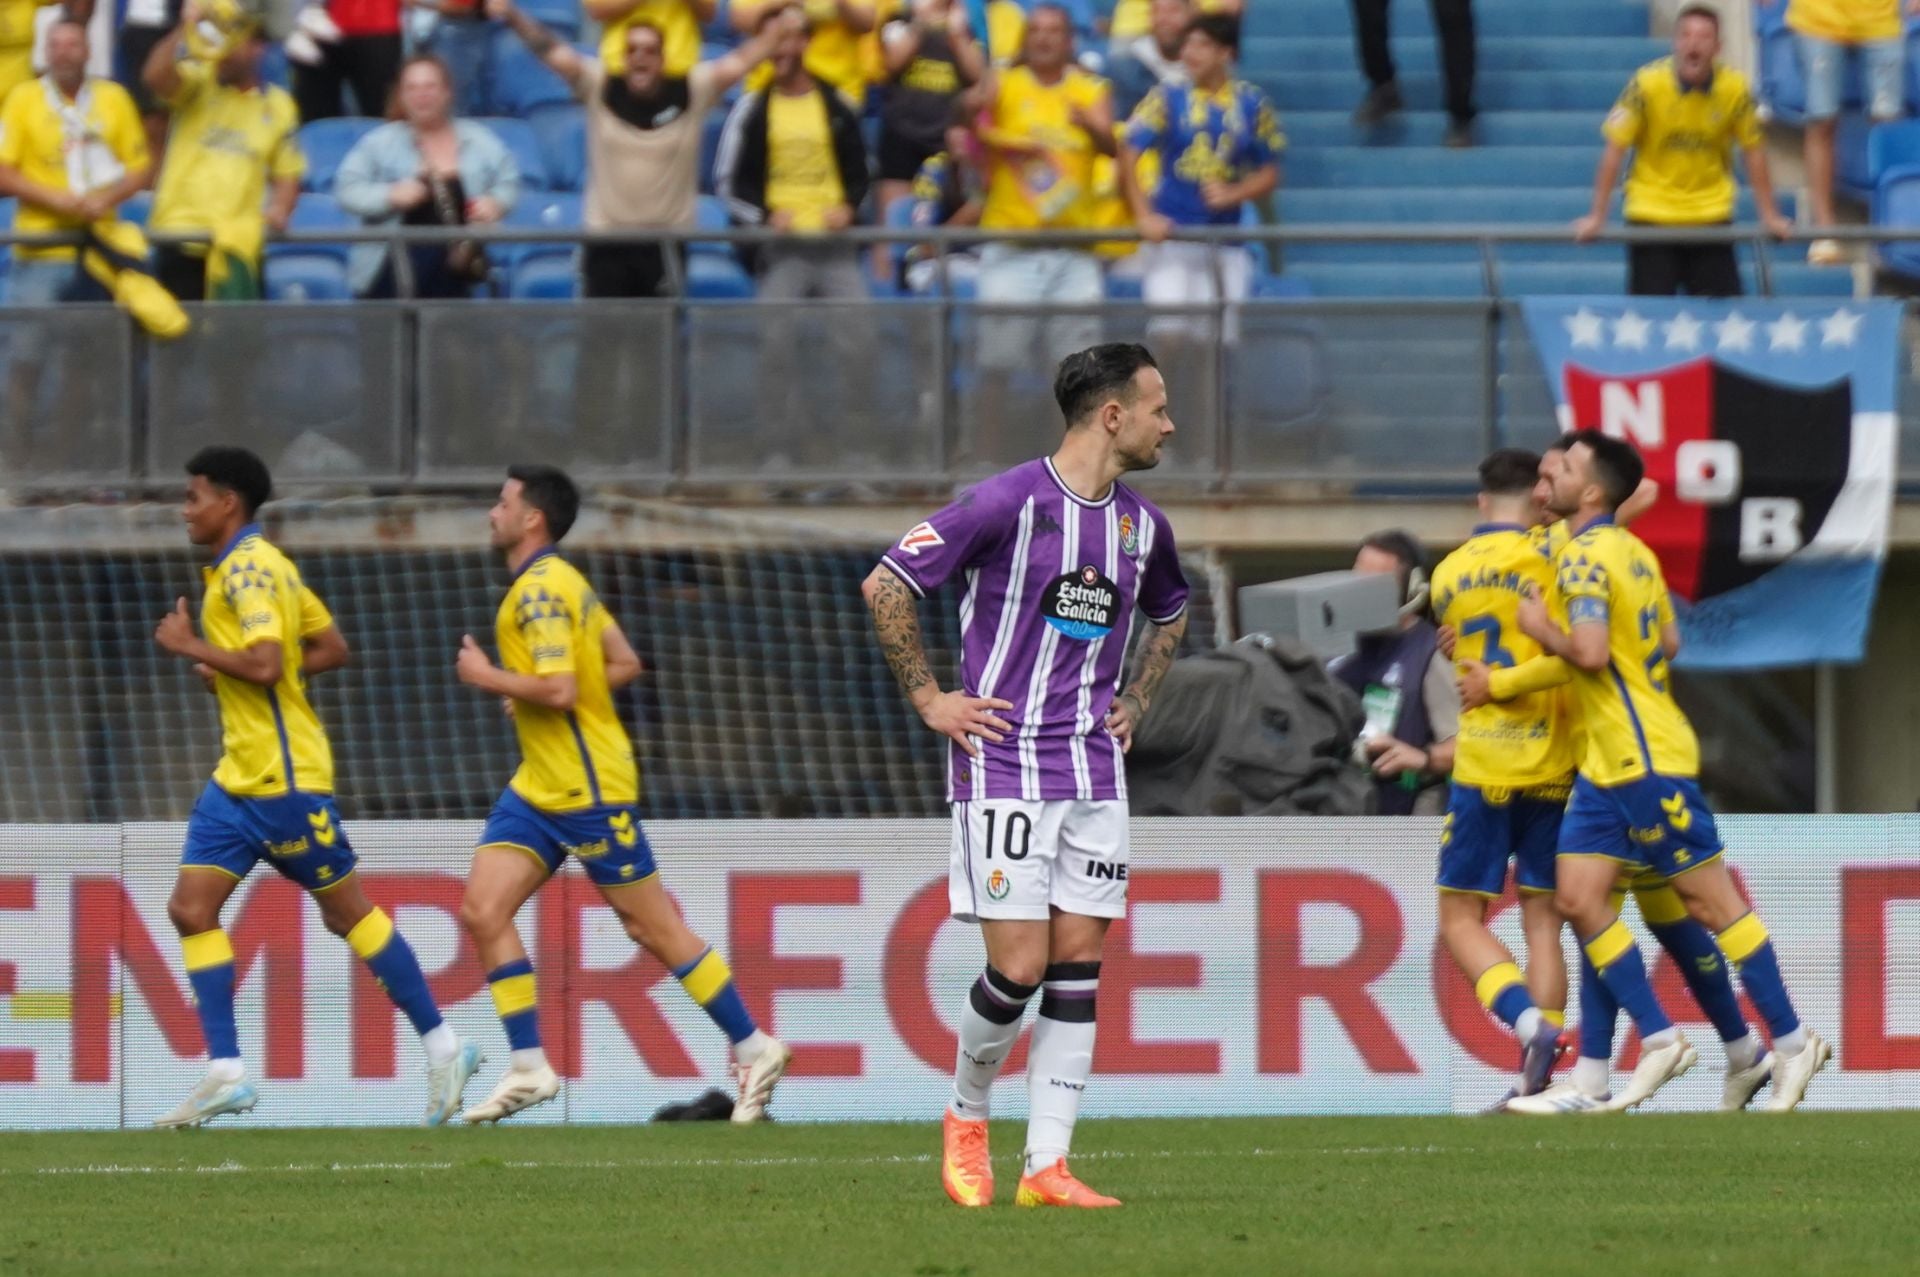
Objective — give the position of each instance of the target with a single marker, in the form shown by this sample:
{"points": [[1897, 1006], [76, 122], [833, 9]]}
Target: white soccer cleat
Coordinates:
{"points": [[1791, 1074], [518, 1089], [446, 1082], [211, 1098], [1743, 1084], [1657, 1068], [757, 1080], [1557, 1100]]}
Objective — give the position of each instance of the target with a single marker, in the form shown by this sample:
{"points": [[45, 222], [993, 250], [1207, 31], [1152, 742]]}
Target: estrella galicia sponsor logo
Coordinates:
{"points": [[1082, 605]]}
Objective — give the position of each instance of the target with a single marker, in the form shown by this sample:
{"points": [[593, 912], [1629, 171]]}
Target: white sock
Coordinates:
{"points": [[1657, 1041], [748, 1049], [1593, 1077], [528, 1059], [1528, 1024], [440, 1043], [986, 1035], [227, 1070], [1743, 1052], [1059, 1060], [1788, 1045]]}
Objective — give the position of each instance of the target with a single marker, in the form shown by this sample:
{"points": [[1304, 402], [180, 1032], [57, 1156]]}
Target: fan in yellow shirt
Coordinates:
{"points": [[1682, 117], [17, 20], [836, 54], [232, 150], [72, 150]]}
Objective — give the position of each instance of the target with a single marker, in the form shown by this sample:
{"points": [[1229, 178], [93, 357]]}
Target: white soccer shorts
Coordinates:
{"points": [[1014, 860]]}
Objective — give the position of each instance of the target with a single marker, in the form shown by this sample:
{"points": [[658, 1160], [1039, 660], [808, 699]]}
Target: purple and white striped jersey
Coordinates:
{"points": [[1051, 584]]}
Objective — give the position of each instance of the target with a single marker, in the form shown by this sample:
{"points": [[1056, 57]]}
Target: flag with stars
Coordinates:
{"points": [[1770, 427]]}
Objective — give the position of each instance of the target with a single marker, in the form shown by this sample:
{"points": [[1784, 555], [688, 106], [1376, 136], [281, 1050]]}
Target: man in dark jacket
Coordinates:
{"points": [[792, 158]]}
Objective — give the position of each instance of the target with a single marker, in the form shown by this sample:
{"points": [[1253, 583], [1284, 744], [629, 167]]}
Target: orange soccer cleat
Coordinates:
{"points": [[1056, 1186], [966, 1172]]}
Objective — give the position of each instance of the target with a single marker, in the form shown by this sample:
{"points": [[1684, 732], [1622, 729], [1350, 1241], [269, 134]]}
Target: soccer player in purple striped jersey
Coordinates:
{"points": [[1055, 555]]}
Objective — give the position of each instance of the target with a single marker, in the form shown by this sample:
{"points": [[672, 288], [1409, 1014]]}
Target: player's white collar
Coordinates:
{"points": [[1112, 489]]}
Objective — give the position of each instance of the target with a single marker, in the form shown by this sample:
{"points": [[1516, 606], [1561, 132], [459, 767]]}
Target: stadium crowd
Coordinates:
{"points": [[803, 116]]}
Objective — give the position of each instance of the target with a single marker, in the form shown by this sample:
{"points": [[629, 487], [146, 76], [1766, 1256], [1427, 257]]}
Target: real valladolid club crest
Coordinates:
{"points": [[1129, 537], [1771, 432]]}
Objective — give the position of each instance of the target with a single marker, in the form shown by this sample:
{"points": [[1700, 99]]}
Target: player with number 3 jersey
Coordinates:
{"points": [[1054, 556]]}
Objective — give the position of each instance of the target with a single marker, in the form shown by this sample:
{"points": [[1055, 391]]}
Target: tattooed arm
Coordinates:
{"points": [[896, 623], [1157, 647]]}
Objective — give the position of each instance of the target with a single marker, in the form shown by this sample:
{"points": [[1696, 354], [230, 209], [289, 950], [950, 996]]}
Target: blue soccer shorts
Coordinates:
{"points": [[608, 841], [1485, 828], [1657, 822], [298, 834]]}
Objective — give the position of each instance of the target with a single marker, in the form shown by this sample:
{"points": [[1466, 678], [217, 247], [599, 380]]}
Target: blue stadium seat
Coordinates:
{"points": [[711, 215], [274, 68], [521, 81], [1124, 286], [556, 209], [711, 278], [315, 212], [293, 275], [563, 16], [1852, 162], [524, 143], [1896, 202], [710, 130], [548, 272], [1891, 145], [326, 143], [562, 131], [1782, 90], [136, 210]]}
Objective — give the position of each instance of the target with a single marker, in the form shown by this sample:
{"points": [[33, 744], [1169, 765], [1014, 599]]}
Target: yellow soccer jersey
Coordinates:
{"points": [[271, 740], [1516, 744], [679, 36], [1682, 142], [1056, 189], [1846, 21], [34, 143], [224, 145], [1634, 727], [550, 623]]}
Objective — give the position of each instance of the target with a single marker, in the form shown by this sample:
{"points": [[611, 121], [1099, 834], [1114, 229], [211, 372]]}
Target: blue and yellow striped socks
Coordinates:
{"points": [[209, 960], [1700, 964], [709, 981], [1617, 960], [1502, 991], [391, 960], [518, 1007], [1750, 949]]}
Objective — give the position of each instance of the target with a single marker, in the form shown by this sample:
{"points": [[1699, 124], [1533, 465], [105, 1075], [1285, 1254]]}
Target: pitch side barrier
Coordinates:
{"points": [[1267, 967]]}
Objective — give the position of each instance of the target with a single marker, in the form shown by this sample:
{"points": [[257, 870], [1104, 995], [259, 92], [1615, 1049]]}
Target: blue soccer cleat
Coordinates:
{"points": [[447, 1083], [211, 1098]]}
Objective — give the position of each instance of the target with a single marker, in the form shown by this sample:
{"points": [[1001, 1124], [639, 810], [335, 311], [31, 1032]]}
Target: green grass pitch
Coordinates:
{"points": [[1645, 1194]]}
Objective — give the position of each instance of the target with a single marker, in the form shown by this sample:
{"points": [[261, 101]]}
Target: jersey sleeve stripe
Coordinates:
{"points": [[886, 561], [1171, 618]]}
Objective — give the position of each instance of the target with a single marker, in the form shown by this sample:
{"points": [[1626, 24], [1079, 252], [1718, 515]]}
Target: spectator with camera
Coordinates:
{"points": [[426, 168]]}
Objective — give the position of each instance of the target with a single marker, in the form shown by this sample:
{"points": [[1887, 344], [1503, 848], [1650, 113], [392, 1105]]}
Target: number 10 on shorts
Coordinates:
{"points": [[1014, 860]]}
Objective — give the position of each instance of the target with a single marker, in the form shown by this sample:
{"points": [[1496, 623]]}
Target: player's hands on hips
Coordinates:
{"points": [[472, 665], [175, 631], [1125, 715], [960, 717], [1476, 685]]}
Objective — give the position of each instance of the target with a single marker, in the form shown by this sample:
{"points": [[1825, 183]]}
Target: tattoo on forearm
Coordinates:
{"points": [[1155, 654], [896, 622]]}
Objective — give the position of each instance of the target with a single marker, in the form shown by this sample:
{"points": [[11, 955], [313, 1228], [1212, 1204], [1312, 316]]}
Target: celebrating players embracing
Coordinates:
{"points": [[271, 795], [1636, 801], [1055, 554], [561, 657]]}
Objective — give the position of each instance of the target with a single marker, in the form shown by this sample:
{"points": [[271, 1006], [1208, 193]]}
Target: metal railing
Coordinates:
{"points": [[827, 399]]}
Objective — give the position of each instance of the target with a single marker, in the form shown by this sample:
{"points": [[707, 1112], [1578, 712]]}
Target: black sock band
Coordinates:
{"points": [[1071, 989], [999, 1000]]}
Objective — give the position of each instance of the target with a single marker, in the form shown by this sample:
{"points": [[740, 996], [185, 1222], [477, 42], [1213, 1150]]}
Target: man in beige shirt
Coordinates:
{"points": [[643, 140]]}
